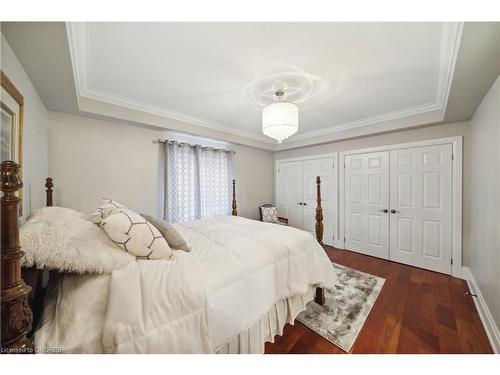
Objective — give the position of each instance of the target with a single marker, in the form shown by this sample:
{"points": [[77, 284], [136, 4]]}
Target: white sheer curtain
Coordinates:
{"points": [[198, 182]]}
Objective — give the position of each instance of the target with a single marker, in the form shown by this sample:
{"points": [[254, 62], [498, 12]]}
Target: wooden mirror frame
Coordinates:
{"points": [[9, 87]]}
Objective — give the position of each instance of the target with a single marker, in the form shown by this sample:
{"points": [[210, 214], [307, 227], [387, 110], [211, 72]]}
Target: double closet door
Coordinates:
{"points": [[296, 194], [398, 205]]}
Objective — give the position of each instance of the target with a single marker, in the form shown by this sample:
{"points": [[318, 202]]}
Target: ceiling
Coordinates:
{"points": [[212, 79]]}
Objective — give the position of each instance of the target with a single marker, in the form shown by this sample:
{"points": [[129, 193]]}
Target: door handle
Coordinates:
{"points": [[385, 210], [304, 203], [395, 212]]}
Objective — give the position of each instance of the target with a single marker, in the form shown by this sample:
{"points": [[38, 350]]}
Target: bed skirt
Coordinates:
{"points": [[253, 339]]}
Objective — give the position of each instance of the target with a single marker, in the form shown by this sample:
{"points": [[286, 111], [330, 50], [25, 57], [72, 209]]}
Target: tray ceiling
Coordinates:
{"points": [[344, 76]]}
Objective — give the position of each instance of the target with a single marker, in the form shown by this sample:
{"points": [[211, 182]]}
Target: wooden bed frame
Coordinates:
{"points": [[22, 289]]}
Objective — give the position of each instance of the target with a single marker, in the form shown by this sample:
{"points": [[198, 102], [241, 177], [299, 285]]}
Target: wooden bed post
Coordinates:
{"points": [[320, 292], [16, 315], [49, 185], [235, 211], [34, 277], [319, 212]]}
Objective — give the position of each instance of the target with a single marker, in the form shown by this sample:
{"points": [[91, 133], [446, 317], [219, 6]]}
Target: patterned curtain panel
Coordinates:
{"points": [[198, 182]]}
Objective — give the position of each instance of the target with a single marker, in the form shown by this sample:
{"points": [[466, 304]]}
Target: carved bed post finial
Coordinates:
{"points": [[15, 311], [49, 185], [235, 211]]}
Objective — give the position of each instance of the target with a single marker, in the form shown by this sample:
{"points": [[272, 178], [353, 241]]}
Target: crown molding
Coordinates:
{"points": [[390, 116], [179, 116], [398, 124], [77, 42], [448, 46]]}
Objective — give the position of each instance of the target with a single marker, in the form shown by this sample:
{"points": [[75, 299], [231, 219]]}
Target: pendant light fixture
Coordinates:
{"points": [[280, 120]]}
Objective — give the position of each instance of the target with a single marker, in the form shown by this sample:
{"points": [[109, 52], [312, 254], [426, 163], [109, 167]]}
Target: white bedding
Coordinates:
{"points": [[237, 270]]}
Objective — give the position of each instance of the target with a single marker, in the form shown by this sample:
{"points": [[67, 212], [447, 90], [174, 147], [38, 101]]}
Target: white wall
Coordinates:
{"points": [[482, 200], [35, 132], [90, 158]]}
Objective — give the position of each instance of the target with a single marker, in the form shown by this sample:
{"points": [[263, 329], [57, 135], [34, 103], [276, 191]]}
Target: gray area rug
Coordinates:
{"points": [[346, 307]]}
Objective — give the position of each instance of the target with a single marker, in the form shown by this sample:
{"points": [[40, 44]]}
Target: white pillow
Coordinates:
{"points": [[137, 236], [107, 207], [63, 239], [270, 214]]}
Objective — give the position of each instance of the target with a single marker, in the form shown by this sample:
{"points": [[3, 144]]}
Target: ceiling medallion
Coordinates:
{"points": [[279, 89], [302, 88]]}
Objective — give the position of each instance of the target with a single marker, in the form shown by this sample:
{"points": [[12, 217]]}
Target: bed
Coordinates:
{"points": [[241, 283]]}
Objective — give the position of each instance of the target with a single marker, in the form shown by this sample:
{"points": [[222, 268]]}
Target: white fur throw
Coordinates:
{"points": [[137, 236], [63, 239]]}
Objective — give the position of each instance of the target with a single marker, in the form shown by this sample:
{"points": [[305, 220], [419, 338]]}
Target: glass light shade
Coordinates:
{"points": [[280, 120]]}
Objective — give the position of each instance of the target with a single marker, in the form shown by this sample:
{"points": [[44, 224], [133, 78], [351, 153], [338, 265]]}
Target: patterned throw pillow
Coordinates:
{"points": [[174, 239], [134, 234], [270, 214], [107, 207]]}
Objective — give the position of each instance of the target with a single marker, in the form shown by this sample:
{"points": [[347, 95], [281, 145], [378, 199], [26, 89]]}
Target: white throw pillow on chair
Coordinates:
{"points": [[270, 214]]}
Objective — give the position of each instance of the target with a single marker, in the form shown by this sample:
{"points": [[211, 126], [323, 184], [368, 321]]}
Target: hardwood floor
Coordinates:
{"points": [[417, 311]]}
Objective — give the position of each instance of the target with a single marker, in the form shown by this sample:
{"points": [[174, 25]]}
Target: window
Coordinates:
{"points": [[198, 182]]}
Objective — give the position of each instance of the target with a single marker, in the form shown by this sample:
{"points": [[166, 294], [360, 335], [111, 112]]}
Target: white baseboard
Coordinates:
{"points": [[483, 310], [461, 273]]}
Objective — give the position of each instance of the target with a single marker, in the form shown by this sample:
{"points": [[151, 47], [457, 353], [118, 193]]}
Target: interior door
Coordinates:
{"points": [[421, 193], [289, 180], [310, 170], [367, 203]]}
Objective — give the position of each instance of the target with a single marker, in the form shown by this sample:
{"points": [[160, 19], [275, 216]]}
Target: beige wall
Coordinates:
{"points": [[90, 158], [481, 227], [431, 132], [35, 132]]}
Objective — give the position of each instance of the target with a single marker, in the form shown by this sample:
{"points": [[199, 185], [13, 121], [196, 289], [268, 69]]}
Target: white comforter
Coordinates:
{"points": [[237, 270]]}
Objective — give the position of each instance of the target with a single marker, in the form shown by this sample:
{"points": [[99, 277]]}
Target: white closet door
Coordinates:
{"points": [[421, 193], [366, 197], [310, 170], [289, 181]]}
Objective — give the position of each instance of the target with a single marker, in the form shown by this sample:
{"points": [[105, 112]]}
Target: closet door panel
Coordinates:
{"points": [[366, 188], [421, 193], [289, 180]]}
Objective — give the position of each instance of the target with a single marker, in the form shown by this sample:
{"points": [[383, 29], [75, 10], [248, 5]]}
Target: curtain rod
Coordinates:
{"points": [[185, 144]]}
